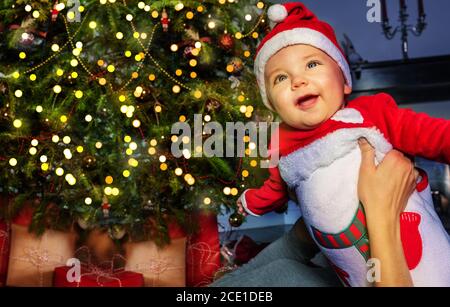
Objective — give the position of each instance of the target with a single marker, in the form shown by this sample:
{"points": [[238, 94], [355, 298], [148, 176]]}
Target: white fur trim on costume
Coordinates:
{"points": [[348, 115], [244, 204], [293, 37], [301, 164], [277, 13]]}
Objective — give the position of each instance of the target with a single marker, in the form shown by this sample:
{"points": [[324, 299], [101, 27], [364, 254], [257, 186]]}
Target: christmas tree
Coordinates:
{"points": [[89, 91]]}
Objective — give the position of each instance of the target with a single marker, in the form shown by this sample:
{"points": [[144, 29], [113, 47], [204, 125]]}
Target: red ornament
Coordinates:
{"points": [[165, 20], [105, 207], [54, 11], [226, 41]]}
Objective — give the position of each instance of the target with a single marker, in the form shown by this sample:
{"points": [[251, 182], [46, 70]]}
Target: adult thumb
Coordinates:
{"points": [[367, 154]]}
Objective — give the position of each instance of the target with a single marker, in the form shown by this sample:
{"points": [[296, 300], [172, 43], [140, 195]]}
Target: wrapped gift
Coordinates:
{"points": [[33, 258], [203, 252], [4, 251], [241, 251], [91, 276], [161, 266]]}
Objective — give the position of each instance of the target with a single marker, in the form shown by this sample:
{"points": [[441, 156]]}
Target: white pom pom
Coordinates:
{"points": [[277, 13]]}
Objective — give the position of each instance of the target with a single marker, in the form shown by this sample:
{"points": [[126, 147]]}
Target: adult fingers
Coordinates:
{"points": [[367, 154]]}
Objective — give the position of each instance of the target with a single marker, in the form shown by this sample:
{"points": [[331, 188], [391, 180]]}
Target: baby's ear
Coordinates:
{"points": [[347, 89]]}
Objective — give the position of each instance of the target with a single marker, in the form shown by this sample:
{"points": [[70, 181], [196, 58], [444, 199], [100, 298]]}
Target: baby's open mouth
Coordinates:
{"points": [[306, 102]]}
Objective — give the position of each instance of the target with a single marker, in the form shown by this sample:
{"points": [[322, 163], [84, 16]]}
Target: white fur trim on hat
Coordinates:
{"points": [[293, 37], [277, 13]]}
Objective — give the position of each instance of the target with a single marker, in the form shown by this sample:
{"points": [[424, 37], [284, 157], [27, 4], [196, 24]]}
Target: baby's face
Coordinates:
{"points": [[305, 86]]}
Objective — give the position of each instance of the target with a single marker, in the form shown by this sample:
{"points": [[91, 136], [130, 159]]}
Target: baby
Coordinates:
{"points": [[304, 77]]}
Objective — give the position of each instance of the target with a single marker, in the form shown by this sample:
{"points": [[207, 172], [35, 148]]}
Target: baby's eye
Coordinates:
{"points": [[312, 64], [280, 78]]}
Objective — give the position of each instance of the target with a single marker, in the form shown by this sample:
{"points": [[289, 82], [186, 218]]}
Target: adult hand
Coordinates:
{"points": [[384, 191]]}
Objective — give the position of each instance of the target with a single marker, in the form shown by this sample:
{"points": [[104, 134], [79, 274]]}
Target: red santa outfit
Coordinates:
{"points": [[322, 165]]}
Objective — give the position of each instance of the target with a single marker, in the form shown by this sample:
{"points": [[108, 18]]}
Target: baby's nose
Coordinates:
{"points": [[299, 81]]}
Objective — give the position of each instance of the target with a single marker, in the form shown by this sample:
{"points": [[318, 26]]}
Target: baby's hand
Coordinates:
{"points": [[241, 209]]}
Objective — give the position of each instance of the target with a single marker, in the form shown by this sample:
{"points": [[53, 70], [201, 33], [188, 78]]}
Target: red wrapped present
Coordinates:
{"points": [[203, 252], [4, 251], [247, 249], [91, 276]]}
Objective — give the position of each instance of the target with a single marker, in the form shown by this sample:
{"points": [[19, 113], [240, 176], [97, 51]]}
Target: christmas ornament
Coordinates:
{"points": [[117, 232], [187, 53], [237, 64], [26, 39], [165, 20], [31, 38], [236, 219], [54, 11], [212, 104], [106, 206], [235, 82], [89, 162], [226, 41]]}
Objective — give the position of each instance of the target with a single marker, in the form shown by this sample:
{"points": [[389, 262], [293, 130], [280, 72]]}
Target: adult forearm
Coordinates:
{"points": [[386, 246]]}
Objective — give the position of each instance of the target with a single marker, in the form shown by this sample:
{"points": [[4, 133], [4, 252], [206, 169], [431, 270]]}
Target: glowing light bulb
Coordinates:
{"points": [[178, 171], [17, 123], [12, 162], [55, 138], [59, 171]]}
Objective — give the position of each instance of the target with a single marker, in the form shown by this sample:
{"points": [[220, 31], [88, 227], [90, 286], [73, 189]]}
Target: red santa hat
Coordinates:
{"points": [[295, 24]]}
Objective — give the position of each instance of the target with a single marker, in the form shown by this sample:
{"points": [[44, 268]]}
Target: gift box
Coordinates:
{"points": [[91, 276], [4, 251], [33, 258], [161, 266], [203, 251], [5, 236]]}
